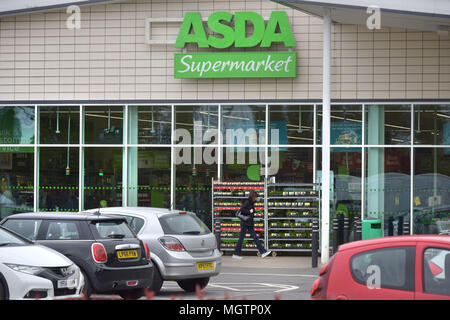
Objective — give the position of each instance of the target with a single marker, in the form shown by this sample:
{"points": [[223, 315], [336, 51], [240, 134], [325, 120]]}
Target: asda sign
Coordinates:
{"points": [[227, 31]]}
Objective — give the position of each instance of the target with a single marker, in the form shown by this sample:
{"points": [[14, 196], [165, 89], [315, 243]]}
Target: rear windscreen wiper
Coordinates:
{"points": [[116, 236], [191, 232]]}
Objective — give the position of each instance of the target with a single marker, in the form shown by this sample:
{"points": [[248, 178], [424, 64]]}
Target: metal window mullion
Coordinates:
{"points": [[125, 160], [363, 162], [172, 162], [220, 143], [411, 182], [314, 143], [81, 161], [35, 162]]}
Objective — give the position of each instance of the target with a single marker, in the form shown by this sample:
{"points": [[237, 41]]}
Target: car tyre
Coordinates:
{"points": [[2, 292], [157, 280], [190, 285], [87, 289], [132, 294]]}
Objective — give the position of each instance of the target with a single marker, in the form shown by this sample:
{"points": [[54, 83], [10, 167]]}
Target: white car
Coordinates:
{"points": [[31, 271]]}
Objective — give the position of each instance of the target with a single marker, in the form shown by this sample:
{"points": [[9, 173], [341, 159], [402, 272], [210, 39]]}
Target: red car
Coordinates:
{"points": [[391, 268]]}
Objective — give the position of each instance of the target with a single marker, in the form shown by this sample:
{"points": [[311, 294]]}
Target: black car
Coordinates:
{"points": [[113, 260]]}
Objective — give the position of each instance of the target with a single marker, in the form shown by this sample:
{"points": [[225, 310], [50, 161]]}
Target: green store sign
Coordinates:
{"points": [[249, 64]]}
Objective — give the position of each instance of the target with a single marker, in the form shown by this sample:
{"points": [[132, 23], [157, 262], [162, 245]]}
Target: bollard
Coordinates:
{"points": [[357, 229], [335, 234], [340, 218], [217, 230], [406, 228], [346, 230], [315, 242], [390, 226], [400, 226]]}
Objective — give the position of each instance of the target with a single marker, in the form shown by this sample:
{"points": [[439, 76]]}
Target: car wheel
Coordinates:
{"points": [[132, 294], [87, 290], [157, 281], [2, 291], [190, 285]]}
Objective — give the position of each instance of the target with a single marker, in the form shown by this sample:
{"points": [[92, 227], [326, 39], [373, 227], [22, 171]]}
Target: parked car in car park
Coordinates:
{"points": [[402, 267], [183, 249], [112, 259], [30, 271]]}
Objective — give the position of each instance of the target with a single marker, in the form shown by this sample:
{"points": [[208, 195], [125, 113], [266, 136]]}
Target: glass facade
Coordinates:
{"points": [[388, 161]]}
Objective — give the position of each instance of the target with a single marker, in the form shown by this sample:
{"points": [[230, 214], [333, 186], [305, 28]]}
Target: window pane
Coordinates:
{"points": [[193, 180], [432, 124], [178, 224], [346, 125], [149, 177], [436, 271], [112, 230], [62, 231], [59, 125], [243, 124], [102, 177], [345, 164], [243, 164], [387, 189], [294, 124], [295, 165], [16, 125], [388, 124], [392, 264], [26, 228], [431, 190], [103, 124], [58, 179], [149, 124], [17, 180], [200, 121]]}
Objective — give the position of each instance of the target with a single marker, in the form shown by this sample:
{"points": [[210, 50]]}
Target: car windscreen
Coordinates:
{"points": [[112, 229], [183, 224], [9, 239]]}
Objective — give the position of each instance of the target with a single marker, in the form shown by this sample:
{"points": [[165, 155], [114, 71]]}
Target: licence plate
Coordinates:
{"points": [[127, 254], [69, 283], [205, 265]]}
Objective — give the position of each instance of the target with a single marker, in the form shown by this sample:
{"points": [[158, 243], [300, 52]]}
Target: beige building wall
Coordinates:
{"points": [[107, 59]]}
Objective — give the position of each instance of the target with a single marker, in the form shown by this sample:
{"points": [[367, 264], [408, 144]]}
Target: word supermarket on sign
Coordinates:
{"points": [[230, 64]]}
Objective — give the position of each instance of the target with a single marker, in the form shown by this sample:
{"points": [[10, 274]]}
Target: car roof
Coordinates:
{"points": [[442, 239], [143, 211], [61, 216]]}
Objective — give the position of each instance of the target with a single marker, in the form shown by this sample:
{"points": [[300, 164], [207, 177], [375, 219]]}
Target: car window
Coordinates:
{"points": [[115, 229], [8, 239], [135, 223], [178, 224], [67, 230], [26, 228], [436, 271], [394, 267]]}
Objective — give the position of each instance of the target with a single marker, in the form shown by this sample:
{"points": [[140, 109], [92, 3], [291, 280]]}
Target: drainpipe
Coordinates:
{"points": [[326, 105]]}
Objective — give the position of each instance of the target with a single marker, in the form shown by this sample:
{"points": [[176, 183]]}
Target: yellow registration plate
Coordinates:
{"points": [[127, 254], [205, 265]]}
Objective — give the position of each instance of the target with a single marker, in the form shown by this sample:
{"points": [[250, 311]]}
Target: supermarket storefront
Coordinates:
{"points": [[119, 112]]}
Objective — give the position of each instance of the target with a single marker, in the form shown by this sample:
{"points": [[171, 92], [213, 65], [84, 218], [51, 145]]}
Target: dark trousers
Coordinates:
{"points": [[251, 229]]}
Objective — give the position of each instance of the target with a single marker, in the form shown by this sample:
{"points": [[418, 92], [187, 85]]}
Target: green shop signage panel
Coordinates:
{"points": [[236, 65]]}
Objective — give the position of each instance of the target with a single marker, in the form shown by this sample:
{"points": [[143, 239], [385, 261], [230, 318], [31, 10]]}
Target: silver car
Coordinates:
{"points": [[182, 247]]}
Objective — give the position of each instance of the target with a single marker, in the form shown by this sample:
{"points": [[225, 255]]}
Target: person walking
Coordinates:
{"points": [[248, 209]]}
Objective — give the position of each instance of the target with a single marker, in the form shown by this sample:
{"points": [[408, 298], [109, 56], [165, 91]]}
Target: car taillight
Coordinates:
{"points": [[171, 244], [147, 252], [315, 287], [323, 270], [99, 253]]}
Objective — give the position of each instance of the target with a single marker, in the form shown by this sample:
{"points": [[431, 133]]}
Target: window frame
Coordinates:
{"points": [[410, 251], [422, 274]]}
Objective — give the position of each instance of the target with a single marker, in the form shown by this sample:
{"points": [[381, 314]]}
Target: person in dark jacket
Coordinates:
{"points": [[248, 209]]}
